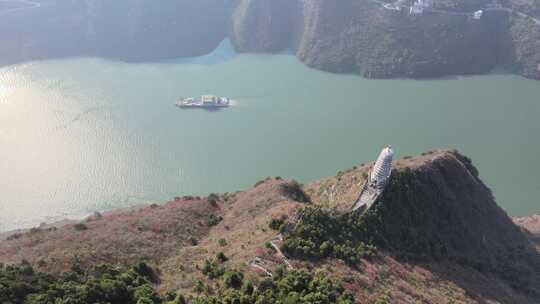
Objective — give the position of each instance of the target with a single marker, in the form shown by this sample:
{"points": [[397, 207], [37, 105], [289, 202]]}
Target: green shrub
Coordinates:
{"points": [[248, 288], [80, 227], [108, 284], [233, 279], [290, 287], [212, 269], [101, 284], [293, 190], [322, 233], [213, 199], [214, 220], [199, 287], [220, 256], [276, 223], [222, 242], [180, 299], [269, 246]]}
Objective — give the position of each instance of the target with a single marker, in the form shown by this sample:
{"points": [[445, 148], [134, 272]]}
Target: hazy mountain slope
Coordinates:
{"points": [[531, 224], [384, 43], [363, 37], [131, 30], [266, 26], [151, 233], [525, 38], [339, 36]]}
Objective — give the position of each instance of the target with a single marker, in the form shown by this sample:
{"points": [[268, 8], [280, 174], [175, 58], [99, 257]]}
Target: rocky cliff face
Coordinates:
{"points": [[266, 26], [361, 36], [525, 41], [340, 36]]}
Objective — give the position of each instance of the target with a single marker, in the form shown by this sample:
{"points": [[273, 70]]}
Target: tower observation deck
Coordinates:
{"points": [[375, 184], [382, 169]]}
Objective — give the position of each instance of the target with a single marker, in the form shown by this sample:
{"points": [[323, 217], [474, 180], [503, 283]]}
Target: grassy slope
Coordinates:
{"points": [[162, 235]]}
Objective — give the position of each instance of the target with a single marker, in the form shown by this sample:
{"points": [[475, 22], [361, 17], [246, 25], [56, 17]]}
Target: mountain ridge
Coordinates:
{"points": [[180, 236], [361, 37]]}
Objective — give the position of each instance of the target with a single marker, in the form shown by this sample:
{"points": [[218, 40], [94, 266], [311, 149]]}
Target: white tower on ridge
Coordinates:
{"points": [[382, 169]]}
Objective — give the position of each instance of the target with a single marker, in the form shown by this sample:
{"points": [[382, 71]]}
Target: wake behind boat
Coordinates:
{"points": [[205, 101]]}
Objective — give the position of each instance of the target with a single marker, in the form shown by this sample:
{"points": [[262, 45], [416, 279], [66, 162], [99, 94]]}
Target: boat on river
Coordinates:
{"points": [[205, 101]]}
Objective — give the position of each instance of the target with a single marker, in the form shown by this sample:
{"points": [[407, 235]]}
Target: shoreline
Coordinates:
{"points": [[4, 235]]}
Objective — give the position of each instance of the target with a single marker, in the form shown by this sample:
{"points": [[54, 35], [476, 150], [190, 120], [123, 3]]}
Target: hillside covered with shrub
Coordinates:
{"points": [[115, 285], [436, 236]]}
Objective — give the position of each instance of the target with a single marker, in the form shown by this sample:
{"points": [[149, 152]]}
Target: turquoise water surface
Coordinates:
{"points": [[86, 134]]}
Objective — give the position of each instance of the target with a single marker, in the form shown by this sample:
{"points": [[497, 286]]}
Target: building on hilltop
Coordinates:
{"points": [[478, 14], [419, 6], [382, 169], [376, 182]]}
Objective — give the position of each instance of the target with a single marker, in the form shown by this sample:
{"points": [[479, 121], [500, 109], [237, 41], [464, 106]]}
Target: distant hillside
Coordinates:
{"points": [[130, 30], [436, 236], [531, 225], [346, 36]]}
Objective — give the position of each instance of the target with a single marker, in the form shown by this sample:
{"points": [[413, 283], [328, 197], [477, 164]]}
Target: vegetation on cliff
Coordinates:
{"points": [[525, 35], [321, 233], [439, 212], [114, 285], [340, 36], [435, 236], [100, 284]]}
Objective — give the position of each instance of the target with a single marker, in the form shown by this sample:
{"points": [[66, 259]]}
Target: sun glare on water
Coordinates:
{"points": [[6, 88], [4, 93]]}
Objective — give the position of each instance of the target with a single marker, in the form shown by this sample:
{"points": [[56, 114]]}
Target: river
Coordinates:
{"points": [[86, 134]]}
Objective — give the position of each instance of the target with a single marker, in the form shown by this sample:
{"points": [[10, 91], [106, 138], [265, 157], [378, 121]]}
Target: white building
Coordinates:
{"points": [[419, 6], [478, 14], [382, 168]]}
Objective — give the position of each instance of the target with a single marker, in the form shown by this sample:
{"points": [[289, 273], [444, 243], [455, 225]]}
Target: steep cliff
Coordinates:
{"points": [[131, 30], [362, 37], [525, 38], [266, 26], [346, 36]]}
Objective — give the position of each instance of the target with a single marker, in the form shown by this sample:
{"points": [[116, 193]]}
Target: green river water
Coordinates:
{"points": [[86, 134]]}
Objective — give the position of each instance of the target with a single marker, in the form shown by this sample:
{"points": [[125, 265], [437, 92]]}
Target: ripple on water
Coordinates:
{"points": [[80, 135]]}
